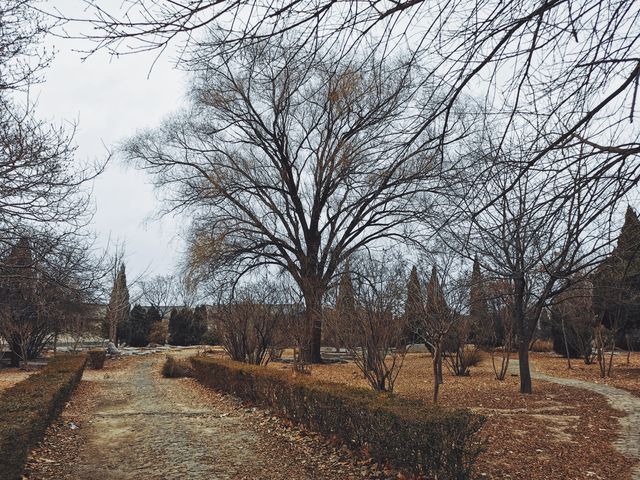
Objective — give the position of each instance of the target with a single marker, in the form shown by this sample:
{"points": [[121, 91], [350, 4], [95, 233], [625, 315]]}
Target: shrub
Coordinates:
{"points": [[27, 409], [540, 345], [410, 435], [176, 368], [97, 358]]}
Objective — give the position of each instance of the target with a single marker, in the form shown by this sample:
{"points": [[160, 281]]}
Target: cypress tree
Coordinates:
{"points": [[616, 282], [139, 327], [118, 307], [414, 306], [478, 309]]}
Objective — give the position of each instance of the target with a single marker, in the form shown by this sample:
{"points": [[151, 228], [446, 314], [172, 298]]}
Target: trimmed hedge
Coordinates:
{"points": [[410, 435], [27, 409], [97, 358]]}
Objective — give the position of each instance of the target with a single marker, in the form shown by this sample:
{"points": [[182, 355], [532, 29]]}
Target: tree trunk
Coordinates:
{"points": [[310, 349], [525, 373], [523, 335], [437, 373], [566, 345]]}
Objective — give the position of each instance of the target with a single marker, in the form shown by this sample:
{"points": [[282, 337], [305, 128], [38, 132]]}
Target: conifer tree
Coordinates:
{"points": [[139, 327], [414, 306], [478, 309], [18, 311], [118, 307], [616, 284]]}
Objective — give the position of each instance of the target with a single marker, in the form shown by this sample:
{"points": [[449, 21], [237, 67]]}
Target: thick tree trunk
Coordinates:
{"points": [[525, 373], [310, 349]]}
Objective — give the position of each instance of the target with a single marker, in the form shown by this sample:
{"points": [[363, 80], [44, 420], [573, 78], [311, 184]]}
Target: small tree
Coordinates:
{"points": [[250, 324], [572, 322], [376, 336], [501, 334]]}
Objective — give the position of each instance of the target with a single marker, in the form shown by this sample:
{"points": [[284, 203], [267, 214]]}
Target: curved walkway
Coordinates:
{"points": [[628, 442]]}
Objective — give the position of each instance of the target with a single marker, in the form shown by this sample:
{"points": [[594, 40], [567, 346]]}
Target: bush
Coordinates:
{"points": [[410, 435], [176, 368], [540, 345], [27, 409], [97, 358]]}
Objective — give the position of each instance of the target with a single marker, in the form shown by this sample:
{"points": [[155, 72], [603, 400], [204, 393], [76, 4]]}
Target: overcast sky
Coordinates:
{"points": [[110, 99]]}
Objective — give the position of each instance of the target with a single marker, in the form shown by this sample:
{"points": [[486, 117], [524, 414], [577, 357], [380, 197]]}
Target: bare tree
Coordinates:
{"points": [[536, 238], [163, 292], [38, 291], [444, 300], [286, 160], [251, 323], [501, 336], [375, 336], [41, 184], [566, 70], [573, 321]]}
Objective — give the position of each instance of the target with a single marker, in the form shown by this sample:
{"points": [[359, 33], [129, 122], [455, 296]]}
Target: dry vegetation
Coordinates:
{"points": [[11, 376], [556, 432]]}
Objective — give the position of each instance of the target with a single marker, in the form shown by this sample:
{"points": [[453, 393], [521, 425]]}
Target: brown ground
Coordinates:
{"points": [[11, 376], [624, 376], [555, 433], [134, 424]]}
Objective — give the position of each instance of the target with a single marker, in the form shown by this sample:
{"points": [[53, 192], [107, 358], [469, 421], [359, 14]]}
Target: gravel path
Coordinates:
{"points": [[135, 424], [628, 442]]}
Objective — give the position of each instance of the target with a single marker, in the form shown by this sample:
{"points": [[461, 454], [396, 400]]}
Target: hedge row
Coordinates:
{"points": [[412, 436], [27, 409]]}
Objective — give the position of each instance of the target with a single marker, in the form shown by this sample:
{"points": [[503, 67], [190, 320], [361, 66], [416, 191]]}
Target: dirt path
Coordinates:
{"points": [[628, 442], [135, 424]]}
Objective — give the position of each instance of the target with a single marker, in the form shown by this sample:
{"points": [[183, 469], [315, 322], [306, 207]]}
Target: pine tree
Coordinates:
{"points": [[139, 327], [199, 324], [118, 307], [414, 307], [616, 283], [187, 326], [478, 309]]}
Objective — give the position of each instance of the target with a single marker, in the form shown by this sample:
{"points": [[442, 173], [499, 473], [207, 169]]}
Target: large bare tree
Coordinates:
{"points": [[566, 69], [284, 160], [533, 236]]}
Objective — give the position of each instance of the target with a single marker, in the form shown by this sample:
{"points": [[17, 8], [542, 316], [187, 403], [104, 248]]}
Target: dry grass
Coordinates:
{"points": [[10, 376], [557, 432]]}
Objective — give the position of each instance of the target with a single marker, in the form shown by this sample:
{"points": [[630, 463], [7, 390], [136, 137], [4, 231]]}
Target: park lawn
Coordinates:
{"points": [[556, 432]]}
